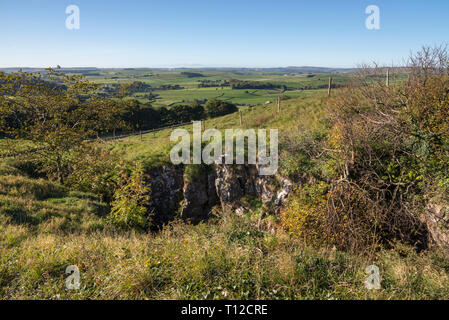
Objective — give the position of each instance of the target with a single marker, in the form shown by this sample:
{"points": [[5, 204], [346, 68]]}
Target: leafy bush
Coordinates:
{"points": [[128, 207], [305, 214]]}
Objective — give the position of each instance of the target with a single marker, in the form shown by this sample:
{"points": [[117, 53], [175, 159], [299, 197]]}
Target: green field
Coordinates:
{"points": [[296, 83], [240, 96]]}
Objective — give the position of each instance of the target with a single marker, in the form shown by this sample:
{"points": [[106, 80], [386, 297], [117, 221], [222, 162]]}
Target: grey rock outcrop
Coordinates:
{"points": [[165, 194], [173, 192], [199, 196]]}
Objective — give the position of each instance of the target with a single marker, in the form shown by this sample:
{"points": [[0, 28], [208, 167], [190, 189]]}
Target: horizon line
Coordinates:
{"points": [[178, 67]]}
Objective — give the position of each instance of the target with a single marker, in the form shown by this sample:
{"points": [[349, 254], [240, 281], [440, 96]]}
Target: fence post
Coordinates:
{"points": [[279, 104], [240, 115], [329, 87], [388, 78]]}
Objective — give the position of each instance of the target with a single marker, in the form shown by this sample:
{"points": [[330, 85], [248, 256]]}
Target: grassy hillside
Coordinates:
{"points": [[44, 227], [296, 115], [226, 259]]}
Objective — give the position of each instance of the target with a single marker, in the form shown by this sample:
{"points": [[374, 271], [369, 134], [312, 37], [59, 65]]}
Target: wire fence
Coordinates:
{"points": [[138, 133], [103, 138]]}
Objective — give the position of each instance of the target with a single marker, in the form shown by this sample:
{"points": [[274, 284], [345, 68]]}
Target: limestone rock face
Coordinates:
{"points": [[236, 181], [193, 196], [165, 194], [228, 184], [211, 189], [199, 197]]}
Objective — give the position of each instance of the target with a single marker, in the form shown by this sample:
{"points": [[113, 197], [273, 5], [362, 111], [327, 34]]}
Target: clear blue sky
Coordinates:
{"points": [[224, 33]]}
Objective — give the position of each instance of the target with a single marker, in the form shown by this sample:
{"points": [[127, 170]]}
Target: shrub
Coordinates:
{"points": [[305, 214], [392, 144], [385, 154], [128, 207]]}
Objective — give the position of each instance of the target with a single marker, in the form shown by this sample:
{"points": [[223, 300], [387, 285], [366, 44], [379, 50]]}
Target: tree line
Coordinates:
{"points": [[238, 84]]}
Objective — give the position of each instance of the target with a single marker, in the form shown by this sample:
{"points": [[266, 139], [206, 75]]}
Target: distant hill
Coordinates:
{"points": [[290, 69], [307, 69], [71, 70]]}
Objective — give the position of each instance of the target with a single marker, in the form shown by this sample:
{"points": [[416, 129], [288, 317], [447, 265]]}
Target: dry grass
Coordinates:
{"points": [[229, 259]]}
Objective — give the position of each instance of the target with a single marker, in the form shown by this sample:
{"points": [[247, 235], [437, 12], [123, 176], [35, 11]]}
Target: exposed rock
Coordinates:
{"points": [[264, 188], [228, 186], [199, 196], [240, 211], [165, 194], [211, 190], [283, 193], [437, 220], [173, 191], [235, 181]]}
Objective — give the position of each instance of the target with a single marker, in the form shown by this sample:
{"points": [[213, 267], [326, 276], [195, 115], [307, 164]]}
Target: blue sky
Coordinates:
{"points": [[231, 33]]}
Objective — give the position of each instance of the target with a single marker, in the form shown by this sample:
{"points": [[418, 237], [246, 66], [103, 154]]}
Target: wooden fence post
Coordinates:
{"points": [[388, 78], [329, 87], [279, 104], [240, 115]]}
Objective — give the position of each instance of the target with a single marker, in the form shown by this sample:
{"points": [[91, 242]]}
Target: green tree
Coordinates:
{"points": [[55, 113]]}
